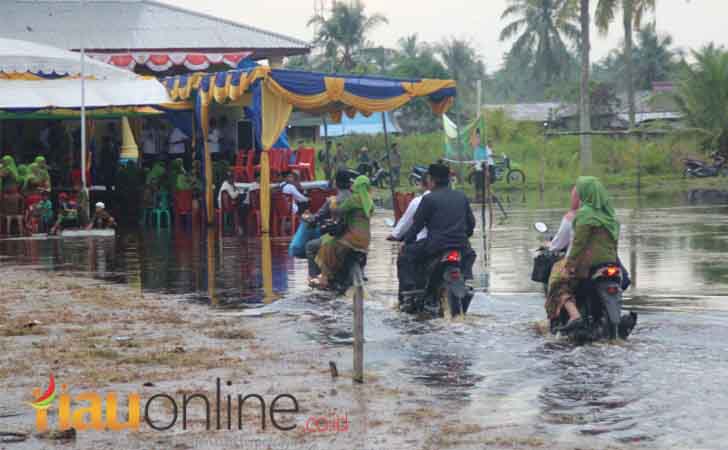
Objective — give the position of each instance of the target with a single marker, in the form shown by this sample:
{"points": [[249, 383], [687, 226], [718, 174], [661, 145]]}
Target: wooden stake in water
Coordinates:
{"points": [[358, 324]]}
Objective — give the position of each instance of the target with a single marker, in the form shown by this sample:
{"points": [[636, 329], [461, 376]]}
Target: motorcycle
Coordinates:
{"points": [[701, 169], [599, 300], [418, 172], [380, 176], [501, 169]]}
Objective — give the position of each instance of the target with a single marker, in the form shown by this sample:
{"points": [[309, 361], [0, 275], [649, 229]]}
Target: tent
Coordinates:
{"points": [[30, 61], [273, 93], [38, 77]]}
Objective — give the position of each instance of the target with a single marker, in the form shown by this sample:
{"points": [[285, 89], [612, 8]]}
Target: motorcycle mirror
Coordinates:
{"points": [[541, 227], [389, 222]]}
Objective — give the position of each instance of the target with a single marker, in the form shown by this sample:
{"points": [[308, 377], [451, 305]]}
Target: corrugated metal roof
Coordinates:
{"points": [[133, 24]]}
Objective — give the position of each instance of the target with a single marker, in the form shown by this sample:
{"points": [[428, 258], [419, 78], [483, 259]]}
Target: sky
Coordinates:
{"points": [[693, 23]]}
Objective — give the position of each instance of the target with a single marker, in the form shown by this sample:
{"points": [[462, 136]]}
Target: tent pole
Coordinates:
{"points": [[389, 159], [327, 150], [84, 188]]}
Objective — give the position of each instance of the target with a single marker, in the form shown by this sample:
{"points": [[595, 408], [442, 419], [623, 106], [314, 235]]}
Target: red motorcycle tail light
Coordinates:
{"points": [[453, 256], [612, 290], [612, 271]]}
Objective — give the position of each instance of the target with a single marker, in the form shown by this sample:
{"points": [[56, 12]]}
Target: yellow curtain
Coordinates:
{"points": [[275, 115], [205, 125], [264, 192]]}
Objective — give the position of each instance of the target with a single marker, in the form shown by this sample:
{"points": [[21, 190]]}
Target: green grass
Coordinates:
{"points": [[616, 160]]}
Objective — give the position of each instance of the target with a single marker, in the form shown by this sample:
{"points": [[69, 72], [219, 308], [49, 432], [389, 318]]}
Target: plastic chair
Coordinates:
{"points": [[13, 212], [401, 202], [161, 209], [227, 210], [254, 211], [250, 166], [318, 198], [306, 164], [182, 206], [282, 211]]}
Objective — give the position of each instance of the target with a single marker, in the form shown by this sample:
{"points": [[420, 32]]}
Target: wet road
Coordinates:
{"points": [[662, 389]]}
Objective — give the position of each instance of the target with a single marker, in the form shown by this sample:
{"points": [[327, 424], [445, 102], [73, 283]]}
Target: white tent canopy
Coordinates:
{"points": [[23, 56], [105, 85], [67, 93]]}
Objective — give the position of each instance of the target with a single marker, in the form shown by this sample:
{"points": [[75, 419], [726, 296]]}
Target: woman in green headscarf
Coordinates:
{"points": [[180, 178], [38, 180], [9, 176], [355, 213], [23, 175], [594, 242]]}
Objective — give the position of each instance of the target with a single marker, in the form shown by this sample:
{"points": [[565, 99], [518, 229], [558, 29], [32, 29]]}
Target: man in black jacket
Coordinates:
{"points": [[450, 223]]}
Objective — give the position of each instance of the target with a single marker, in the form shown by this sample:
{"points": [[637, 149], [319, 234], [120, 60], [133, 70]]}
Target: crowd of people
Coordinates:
{"points": [[25, 194]]}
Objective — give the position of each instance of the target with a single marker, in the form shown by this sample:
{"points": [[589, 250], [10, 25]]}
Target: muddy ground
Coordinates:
{"points": [[95, 336]]}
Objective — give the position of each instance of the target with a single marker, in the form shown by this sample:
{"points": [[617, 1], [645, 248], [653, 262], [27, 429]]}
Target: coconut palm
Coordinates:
{"points": [[343, 35], [702, 95], [585, 156], [632, 13], [541, 29]]}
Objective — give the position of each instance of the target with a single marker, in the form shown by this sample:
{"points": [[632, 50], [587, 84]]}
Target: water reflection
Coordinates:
{"points": [[494, 365]]}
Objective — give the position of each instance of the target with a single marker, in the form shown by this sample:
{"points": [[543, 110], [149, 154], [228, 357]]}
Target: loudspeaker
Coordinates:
{"points": [[246, 139]]}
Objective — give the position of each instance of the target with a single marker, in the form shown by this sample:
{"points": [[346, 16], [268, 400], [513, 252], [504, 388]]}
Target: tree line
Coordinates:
{"points": [[549, 58]]}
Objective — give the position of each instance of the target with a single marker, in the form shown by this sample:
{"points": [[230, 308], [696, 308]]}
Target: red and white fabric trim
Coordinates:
{"points": [[161, 62]]}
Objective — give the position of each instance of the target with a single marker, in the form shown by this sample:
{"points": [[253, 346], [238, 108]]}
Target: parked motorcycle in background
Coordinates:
{"points": [[700, 169]]}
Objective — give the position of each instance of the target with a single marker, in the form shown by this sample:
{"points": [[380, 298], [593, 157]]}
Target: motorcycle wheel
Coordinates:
{"points": [[516, 176]]}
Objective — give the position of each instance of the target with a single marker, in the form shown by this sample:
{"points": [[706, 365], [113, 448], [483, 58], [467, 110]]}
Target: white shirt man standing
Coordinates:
{"points": [[213, 138], [177, 141]]}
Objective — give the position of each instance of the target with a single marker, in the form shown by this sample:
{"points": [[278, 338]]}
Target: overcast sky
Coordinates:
{"points": [[692, 23]]}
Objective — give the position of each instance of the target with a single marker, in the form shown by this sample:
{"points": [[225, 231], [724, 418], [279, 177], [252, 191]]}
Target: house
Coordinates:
{"points": [[554, 113], [146, 36]]}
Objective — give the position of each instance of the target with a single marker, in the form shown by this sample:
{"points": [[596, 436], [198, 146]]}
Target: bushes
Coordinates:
{"points": [[615, 158]]}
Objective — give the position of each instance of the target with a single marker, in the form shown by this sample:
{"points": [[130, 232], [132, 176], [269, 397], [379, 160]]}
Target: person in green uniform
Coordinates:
{"points": [[355, 212]]}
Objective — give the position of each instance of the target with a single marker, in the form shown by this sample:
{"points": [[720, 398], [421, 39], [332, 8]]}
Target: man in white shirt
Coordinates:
{"points": [[149, 142], [177, 141], [289, 187], [213, 139], [405, 222]]}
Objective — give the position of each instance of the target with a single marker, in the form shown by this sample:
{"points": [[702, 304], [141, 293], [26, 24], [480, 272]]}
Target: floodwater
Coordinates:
{"points": [[664, 388]]}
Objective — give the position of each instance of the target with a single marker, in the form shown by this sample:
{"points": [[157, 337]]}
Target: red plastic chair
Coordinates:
{"points": [[282, 212], [401, 202], [306, 163], [250, 165], [253, 219], [318, 198]]}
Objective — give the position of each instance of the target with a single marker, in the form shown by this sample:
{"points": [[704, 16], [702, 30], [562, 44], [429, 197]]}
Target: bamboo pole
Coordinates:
{"points": [[358, 369], [389, 160]]}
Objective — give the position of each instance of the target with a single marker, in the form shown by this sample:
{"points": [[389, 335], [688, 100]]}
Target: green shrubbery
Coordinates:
{"points": [[615, 158]]}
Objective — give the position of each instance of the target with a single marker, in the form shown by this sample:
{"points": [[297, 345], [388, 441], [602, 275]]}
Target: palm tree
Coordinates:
{"points": [[585, 156], [343, 34], [702, 95], [632, 13], [540, 29]]}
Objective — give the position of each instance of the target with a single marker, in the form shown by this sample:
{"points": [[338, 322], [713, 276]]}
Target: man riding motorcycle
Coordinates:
{"points": [[450, 223], [405, 222], [343, 186]]}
